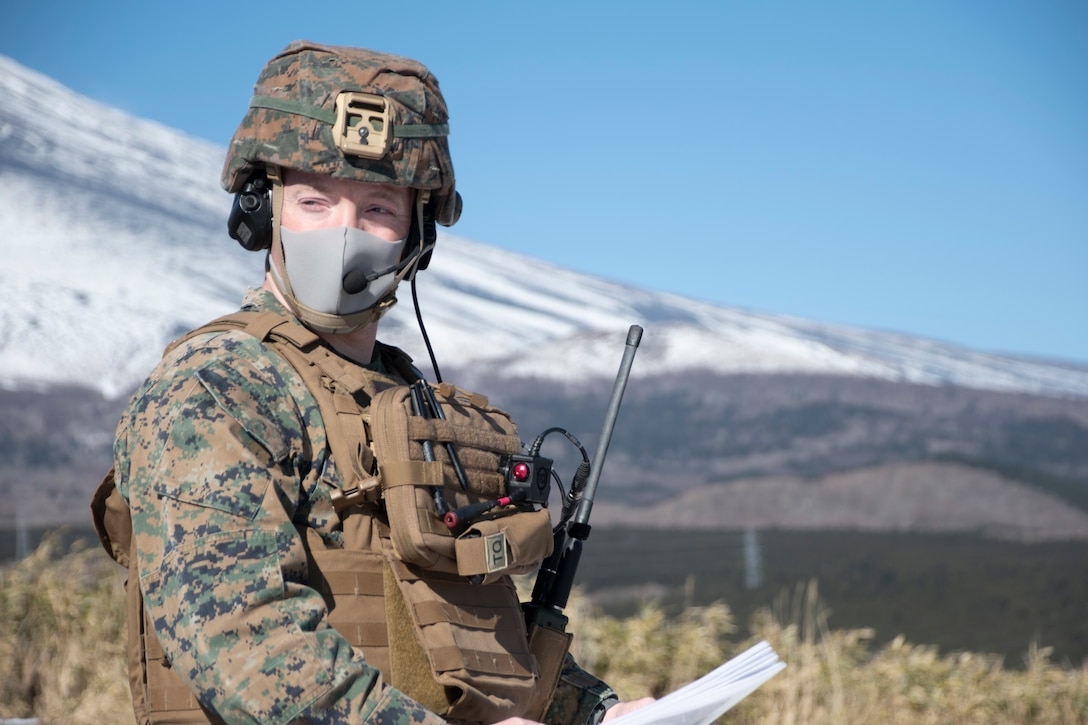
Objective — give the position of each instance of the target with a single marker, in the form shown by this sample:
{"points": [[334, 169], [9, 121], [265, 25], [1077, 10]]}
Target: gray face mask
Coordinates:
{"points": [[339, 270]]}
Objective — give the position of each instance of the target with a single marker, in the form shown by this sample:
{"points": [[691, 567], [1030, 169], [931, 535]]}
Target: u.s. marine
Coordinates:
{"points": [[276, 490]]}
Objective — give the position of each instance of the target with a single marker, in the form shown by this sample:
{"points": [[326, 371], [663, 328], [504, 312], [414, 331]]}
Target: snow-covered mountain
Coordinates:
{"points": [[113, 237]]}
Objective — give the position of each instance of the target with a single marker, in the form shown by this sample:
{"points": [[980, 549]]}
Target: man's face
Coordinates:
{"points": [[314, 201]]}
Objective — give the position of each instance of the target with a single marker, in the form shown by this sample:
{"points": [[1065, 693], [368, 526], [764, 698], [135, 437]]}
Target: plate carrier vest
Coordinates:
{"points": [[429, 609]]}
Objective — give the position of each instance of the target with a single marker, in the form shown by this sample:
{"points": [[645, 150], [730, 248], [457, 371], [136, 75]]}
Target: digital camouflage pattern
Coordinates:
{"points": [[223, 459], [304, 80], [580, 697]]}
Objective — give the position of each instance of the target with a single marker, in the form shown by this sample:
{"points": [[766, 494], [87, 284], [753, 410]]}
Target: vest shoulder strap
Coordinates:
{"points": [[269, 326], [263, 325]]}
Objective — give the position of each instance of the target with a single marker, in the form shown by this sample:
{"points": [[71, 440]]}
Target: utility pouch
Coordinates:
{"points": [[490, 548], [431, 464]]}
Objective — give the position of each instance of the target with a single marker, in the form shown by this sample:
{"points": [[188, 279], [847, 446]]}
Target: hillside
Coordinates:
{"points": [[923, 497], [115, 240], [114, 244], [716, 453]]}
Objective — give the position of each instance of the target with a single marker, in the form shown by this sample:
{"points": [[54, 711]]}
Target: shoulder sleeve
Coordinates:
{"points": [[210, 424]]}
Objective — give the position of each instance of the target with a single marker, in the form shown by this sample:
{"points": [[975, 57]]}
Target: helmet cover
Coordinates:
{"points": [[296, 120]]}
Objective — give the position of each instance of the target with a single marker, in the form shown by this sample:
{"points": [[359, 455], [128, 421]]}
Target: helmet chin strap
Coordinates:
{"points": [[323, 321]]}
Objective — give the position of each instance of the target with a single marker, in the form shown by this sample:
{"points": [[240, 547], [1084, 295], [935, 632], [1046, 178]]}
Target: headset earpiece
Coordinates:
{"points": [[446, 216], [422, 235], [250, 220], [430, 236]]}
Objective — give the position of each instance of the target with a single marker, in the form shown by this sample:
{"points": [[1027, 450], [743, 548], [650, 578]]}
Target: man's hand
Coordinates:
{"points": [[622, 708]]}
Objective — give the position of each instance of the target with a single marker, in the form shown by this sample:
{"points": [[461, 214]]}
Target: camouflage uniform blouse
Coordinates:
{"points": [[222, 458]]}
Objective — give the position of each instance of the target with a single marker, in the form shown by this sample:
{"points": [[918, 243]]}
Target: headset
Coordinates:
{"points": [[250, 220], [250, 223]]}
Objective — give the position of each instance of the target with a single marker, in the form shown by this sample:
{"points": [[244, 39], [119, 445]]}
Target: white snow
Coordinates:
{"points": [[113, 241]]}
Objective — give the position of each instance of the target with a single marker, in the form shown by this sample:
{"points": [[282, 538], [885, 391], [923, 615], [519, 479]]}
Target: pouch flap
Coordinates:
{"points": [[112, 519]]}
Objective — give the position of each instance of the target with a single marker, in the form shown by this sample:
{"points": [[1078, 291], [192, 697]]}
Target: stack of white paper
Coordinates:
{"points": [[703, 701]]}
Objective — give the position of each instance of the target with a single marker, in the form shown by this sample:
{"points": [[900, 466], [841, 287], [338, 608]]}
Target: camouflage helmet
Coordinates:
{"points": [[349, 113]]}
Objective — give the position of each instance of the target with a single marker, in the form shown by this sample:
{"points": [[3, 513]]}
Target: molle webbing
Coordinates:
{"points": [[483, 437]]}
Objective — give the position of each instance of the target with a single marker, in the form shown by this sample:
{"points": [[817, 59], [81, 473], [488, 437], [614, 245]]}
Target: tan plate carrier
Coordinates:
{"points": [[431, 610]]}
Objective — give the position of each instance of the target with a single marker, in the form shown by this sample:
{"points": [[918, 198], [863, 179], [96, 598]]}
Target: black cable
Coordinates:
{"points": [[559, 484], [581, 476], [563, 515], [423, 331], [535, 448]]}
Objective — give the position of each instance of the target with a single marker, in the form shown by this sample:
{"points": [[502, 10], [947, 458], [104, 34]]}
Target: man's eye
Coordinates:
{"points": [[381, 210]]}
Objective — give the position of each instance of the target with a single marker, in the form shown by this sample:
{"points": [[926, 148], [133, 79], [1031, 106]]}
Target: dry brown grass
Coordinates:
{"points": [[62, 658], [62, 639], [832, 676]]}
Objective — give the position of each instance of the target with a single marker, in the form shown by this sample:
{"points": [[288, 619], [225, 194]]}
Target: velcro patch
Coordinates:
{"points": [[495, 550]]}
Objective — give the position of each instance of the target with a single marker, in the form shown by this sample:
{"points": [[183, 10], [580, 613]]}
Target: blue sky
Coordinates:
{"points": [[917, 166]]}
